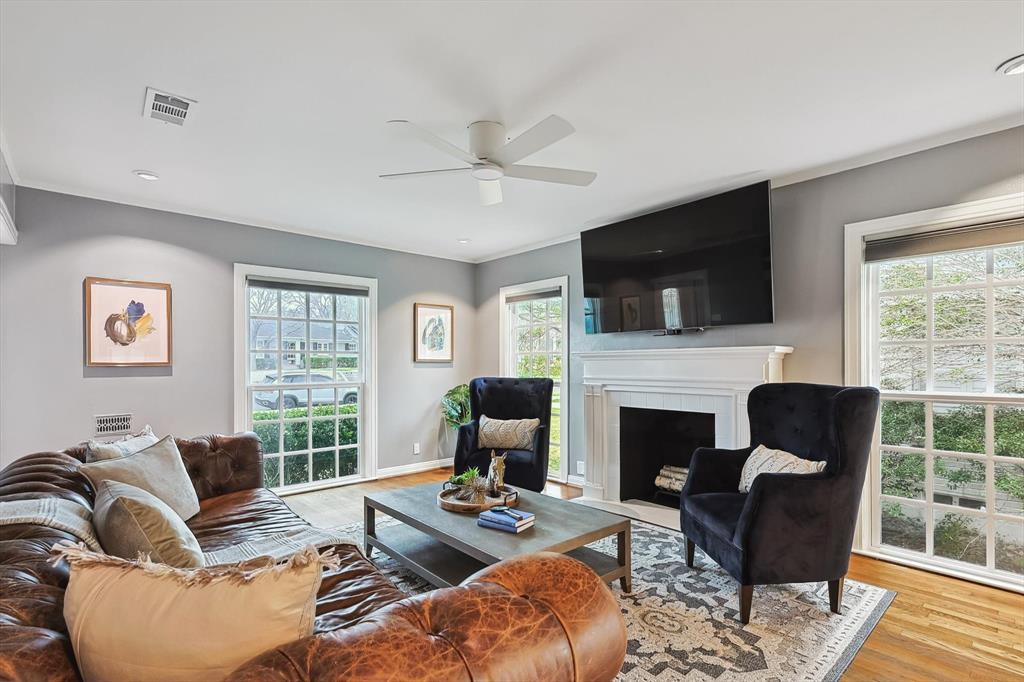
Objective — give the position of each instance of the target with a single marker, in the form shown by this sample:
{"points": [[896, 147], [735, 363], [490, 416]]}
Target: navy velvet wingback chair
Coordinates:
{"points": [[790, 528], [505, 398]]}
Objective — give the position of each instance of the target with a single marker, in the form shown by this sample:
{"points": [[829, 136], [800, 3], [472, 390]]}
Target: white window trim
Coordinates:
{"points": [[856, 366], [505, 351], [368, 438]]}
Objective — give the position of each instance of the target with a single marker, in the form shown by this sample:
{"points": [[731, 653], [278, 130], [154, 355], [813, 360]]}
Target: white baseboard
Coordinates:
{"points": [[415, 467], [577, 481]]}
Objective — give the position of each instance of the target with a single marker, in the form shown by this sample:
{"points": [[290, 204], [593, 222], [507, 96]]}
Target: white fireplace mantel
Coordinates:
{"points": [[711, 380]]}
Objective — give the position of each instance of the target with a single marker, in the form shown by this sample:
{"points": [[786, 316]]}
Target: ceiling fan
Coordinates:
{"points": [[490, 158]]}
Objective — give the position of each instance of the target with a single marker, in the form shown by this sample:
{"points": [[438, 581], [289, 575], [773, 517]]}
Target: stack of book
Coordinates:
{"points": [[506, 521]]}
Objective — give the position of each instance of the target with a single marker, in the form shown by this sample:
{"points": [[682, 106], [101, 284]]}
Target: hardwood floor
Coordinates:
{"points": [[937, 628]]}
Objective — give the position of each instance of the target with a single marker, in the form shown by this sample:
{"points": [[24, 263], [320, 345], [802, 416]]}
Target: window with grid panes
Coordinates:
{"points": [[947, 352], [305, 379], [536, 351]]}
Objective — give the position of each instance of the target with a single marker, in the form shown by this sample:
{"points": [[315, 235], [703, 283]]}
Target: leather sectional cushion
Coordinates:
{"points": [[352, 591], [242, 516], [348, 593]]}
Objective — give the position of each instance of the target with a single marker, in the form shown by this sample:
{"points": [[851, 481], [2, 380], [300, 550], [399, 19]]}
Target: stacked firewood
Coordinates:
{"points": [[671, 478]]}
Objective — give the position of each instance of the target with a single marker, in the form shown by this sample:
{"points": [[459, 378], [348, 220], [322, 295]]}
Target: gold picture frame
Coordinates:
{"points": [[127, 323]]}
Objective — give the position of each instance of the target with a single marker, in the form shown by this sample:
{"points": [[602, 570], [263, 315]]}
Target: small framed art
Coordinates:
{"points": [[433, 332], [127, 323]]}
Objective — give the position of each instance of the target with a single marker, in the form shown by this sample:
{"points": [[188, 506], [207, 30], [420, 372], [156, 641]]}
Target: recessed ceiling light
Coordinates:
{"points": [[1014, 66], [146, 175], [463, 240]]}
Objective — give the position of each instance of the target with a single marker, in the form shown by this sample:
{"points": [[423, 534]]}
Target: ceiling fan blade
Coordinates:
{"points": [[490, 192], [435, 141], [562, 176], [392, 176], [550, 130]]}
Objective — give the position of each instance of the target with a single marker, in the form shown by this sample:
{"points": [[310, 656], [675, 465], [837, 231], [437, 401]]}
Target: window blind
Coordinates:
{"points": [[535, 295], [311, 287], [941, 241]]}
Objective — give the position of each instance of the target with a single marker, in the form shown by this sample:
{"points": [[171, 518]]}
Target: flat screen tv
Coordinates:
{"points": [[707, 263]]}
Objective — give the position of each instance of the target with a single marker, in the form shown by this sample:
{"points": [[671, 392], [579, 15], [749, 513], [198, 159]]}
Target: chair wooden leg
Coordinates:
{"points": [[835, 594], [746, 596], [689, 552]]}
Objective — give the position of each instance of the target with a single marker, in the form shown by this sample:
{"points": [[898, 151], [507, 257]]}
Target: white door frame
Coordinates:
{"points": [[505, 353], [368, 438], [856, 367]]}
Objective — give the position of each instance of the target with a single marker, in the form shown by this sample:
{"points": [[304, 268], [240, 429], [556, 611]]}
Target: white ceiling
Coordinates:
{"points": [[669, 100]]}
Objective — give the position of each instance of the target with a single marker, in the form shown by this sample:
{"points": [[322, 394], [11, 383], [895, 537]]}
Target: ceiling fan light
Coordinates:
{"points": [[487, 171]]}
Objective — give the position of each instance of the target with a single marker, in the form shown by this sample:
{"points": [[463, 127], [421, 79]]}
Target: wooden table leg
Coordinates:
{"points": [[369, 526], [626, 559]]}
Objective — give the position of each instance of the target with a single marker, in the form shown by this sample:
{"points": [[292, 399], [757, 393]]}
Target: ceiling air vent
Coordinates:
{"points": [[163, 106]]}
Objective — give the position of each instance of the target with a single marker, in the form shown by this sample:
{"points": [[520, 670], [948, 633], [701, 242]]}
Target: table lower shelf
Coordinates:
{"points": [[444, 566]]}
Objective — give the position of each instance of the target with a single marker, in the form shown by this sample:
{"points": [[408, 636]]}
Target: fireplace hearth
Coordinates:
{"points": [[655, 448]]}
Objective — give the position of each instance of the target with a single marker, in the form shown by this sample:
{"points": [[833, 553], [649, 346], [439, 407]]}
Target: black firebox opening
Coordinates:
{"points": [[652, 439]]}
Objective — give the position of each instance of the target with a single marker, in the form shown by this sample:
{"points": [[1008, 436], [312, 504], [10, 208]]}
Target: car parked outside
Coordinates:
{"points": [[297, 397]]}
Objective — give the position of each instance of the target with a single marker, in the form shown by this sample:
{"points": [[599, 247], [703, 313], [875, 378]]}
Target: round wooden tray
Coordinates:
{"points": [[446, 500]]}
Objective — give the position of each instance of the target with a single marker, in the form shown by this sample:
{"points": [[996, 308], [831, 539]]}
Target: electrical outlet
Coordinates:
{"points": [[415, 448], [579, 468]]}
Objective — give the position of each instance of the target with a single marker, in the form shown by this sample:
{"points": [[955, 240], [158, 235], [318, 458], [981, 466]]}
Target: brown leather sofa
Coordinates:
{"points": [[537, 617]]}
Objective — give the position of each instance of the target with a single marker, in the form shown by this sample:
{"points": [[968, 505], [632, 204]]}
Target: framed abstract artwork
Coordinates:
{"points": [[127, 323], [433, 332]]}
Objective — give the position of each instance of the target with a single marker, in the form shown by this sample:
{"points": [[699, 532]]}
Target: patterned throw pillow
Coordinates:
{"points": [[507, 434], [764, 460]]}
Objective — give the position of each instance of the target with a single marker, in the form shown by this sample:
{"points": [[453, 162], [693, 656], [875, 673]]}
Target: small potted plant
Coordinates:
{"points": [[470, 485], [454, 413]]}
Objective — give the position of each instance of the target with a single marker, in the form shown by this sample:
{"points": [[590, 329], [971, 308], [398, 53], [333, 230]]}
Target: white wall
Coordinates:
{"points": [[48, 397], [807, 249]]}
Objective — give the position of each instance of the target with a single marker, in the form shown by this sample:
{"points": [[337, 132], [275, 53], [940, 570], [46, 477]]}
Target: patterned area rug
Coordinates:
{"points": [[682, 622]]}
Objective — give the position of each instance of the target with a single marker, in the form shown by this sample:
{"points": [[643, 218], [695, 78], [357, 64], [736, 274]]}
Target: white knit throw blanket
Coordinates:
{"points": [[279, 546], [53, 512]]}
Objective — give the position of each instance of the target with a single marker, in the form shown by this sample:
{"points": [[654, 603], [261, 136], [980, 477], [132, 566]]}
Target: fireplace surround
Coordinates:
{"points": [[713, 381]]}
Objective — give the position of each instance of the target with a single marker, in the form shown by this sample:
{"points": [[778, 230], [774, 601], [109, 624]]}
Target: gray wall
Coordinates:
{"points": [[7, 188], [47, 396], [808, 220]]}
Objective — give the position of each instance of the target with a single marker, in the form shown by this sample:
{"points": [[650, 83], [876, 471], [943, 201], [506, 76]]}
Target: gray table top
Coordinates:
{"points": [[560, 525]]}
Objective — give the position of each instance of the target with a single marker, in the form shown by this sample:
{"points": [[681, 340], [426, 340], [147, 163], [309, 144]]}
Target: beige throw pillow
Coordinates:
{"points": [[158, 470], [96, 451], [128, 520], [507, 434], [764, 460], [136, 620]]}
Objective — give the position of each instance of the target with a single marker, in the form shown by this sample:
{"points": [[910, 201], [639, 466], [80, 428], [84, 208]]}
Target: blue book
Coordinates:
{"points": [[504, 519], [502, 527]]}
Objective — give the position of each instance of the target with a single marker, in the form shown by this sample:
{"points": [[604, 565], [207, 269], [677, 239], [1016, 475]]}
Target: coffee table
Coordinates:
{"points": [[445, 547]]}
